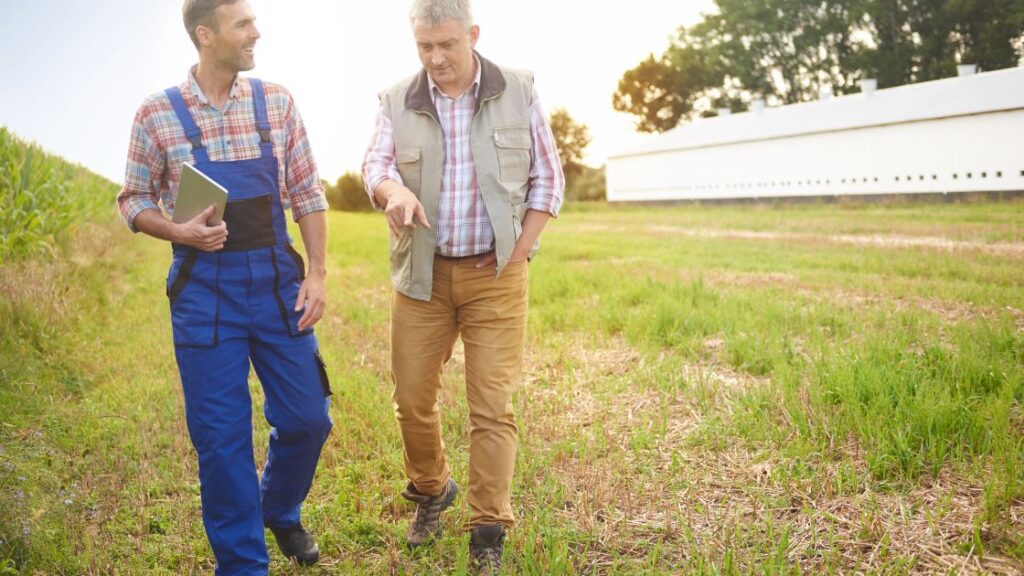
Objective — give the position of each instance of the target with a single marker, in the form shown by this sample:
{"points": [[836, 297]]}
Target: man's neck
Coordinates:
{"points": [[455, 91], [215, 82]]}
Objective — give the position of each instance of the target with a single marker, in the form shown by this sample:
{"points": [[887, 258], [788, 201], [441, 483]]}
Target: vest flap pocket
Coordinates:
{"points": [[409, 168], [408, 155], [513, 146], [517, 137]]}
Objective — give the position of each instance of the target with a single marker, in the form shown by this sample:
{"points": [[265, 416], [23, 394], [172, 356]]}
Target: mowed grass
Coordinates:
{"points": [[709, 390]]}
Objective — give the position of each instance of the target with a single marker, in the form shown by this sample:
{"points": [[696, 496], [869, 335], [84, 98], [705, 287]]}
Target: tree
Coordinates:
{"points": [[571, 139], [348, 194], [786, 51]]}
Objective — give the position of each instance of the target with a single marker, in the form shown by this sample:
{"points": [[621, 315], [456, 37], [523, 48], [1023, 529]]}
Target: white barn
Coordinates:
{"points": [[959, 134]]}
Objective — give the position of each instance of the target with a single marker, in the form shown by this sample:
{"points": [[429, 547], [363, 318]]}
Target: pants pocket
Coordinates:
{"points": [[287, 282], [322, 368], [193, 296], [300, 264]]}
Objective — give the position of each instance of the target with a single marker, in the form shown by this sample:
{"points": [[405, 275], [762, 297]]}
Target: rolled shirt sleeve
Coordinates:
{"points": [[547, 182], [379, 162], [302, 179], [140, 191]]}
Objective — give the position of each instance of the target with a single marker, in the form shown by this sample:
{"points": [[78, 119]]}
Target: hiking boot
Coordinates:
{"points": [[297, 544], [485, 544], [426, 524]]}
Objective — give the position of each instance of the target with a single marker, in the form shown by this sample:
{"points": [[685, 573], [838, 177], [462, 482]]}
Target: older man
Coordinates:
{"points": [[238, 290], [464, 165]]}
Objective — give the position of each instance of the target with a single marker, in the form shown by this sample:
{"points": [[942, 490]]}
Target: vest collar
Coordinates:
{"points": [[492, 83]]}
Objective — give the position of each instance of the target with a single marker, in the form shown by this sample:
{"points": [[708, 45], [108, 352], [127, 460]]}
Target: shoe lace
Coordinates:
{"points": [[427, 514]]}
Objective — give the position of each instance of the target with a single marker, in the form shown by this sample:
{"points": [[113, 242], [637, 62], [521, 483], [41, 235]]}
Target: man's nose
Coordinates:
{"points": [[436, 58]]}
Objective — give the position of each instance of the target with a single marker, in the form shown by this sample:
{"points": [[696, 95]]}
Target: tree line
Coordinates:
{"points": [[787, 51]]}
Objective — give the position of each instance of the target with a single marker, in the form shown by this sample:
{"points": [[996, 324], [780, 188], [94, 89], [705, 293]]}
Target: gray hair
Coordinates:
{"points": [[437, 12]]}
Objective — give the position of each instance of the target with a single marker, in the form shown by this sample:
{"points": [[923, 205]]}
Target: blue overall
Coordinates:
{"points": [[231, 307]]}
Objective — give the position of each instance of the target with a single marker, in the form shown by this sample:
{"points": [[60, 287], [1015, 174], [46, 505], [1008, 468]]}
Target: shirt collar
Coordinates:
{"points": [[235, 94], [475, 87]]}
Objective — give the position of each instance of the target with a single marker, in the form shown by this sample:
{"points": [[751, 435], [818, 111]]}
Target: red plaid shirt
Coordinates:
{"points": [[463, 226], [158, 147]]}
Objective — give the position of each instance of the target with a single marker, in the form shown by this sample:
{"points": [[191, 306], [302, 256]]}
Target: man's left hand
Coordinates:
{"points": [[313, 297]]}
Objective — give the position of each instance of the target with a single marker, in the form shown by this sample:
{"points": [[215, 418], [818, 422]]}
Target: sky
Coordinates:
{"points": [[73, 73]]}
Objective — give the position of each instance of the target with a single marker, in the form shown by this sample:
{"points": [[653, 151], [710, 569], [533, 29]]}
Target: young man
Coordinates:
{"points": [[239, 291], [465, 167]]}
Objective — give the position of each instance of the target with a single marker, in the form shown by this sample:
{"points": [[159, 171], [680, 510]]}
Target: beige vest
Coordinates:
{"points": [[500, 139]]}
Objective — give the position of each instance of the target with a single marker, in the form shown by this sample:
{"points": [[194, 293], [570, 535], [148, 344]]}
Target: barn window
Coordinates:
{"points": [[955, 176], [999, 174], [984, 174], [969, 175]]}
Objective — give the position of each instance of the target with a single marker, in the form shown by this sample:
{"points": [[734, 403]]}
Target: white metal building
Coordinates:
{"points": [[955, 135]]}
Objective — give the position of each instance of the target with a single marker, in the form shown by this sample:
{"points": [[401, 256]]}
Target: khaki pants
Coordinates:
{"points": [[490, 314]]}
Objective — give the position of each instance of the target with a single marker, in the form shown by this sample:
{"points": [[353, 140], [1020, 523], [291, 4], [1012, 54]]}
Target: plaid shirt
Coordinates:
{"points": [[463, 226], [158, 147]]}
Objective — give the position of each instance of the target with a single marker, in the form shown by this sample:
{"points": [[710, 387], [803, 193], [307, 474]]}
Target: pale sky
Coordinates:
{"points": [[73, 73]]}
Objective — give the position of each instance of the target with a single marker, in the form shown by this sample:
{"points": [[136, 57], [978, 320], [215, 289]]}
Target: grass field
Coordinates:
{"points": [[709, 390]]}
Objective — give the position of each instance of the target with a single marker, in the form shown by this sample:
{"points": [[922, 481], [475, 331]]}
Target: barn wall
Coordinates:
{"points": [[961, 154]]}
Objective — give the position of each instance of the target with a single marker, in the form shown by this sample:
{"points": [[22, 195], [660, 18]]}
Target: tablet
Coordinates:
{"points": [[197, 192]]}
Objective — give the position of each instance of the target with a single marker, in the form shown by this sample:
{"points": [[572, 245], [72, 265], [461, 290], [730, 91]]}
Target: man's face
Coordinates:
{"points": [[233, 42], [446, 52]]}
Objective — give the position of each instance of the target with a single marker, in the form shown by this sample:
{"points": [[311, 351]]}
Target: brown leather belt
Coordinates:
{"points": [[461, 258]]}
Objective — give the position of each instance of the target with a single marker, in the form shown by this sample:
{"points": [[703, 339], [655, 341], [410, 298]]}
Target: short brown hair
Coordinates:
{"points": [[200, 13]]}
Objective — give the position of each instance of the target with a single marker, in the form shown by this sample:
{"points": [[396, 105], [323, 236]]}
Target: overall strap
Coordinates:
{"points": [[259, 103], [192, 131]]}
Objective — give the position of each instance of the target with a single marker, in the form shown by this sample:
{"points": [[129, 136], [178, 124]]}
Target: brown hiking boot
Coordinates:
{"points": [[426, 524], [485, 545]]}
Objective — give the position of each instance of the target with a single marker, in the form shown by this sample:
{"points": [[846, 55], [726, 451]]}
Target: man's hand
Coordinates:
{"points": [[402, 209], [197, 234], [311, 297]]}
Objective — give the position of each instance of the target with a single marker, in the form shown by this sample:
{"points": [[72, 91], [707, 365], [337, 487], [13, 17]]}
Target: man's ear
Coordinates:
{"points": [[204, 35], [474, 35]]}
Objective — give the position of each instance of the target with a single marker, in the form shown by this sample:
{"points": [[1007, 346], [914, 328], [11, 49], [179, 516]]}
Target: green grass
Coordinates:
{"points": [[709, 390]]}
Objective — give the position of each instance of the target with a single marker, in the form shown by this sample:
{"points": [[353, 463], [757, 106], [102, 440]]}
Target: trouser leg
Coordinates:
{"points": [[422, 336], [492, 315], [297, 400], [219, 416]]}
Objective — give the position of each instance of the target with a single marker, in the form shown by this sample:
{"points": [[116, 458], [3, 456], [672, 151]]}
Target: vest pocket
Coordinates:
{"points": [[410, 166], [401, 259], [513, 145], [518, 213]]}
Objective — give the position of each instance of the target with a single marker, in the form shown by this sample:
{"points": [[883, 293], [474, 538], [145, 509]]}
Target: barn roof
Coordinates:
{"points": [[995, 91]]}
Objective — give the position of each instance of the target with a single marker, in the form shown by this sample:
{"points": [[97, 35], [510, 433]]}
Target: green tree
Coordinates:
{"points": [[348, 193], [786, 51], [571, 139]]}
